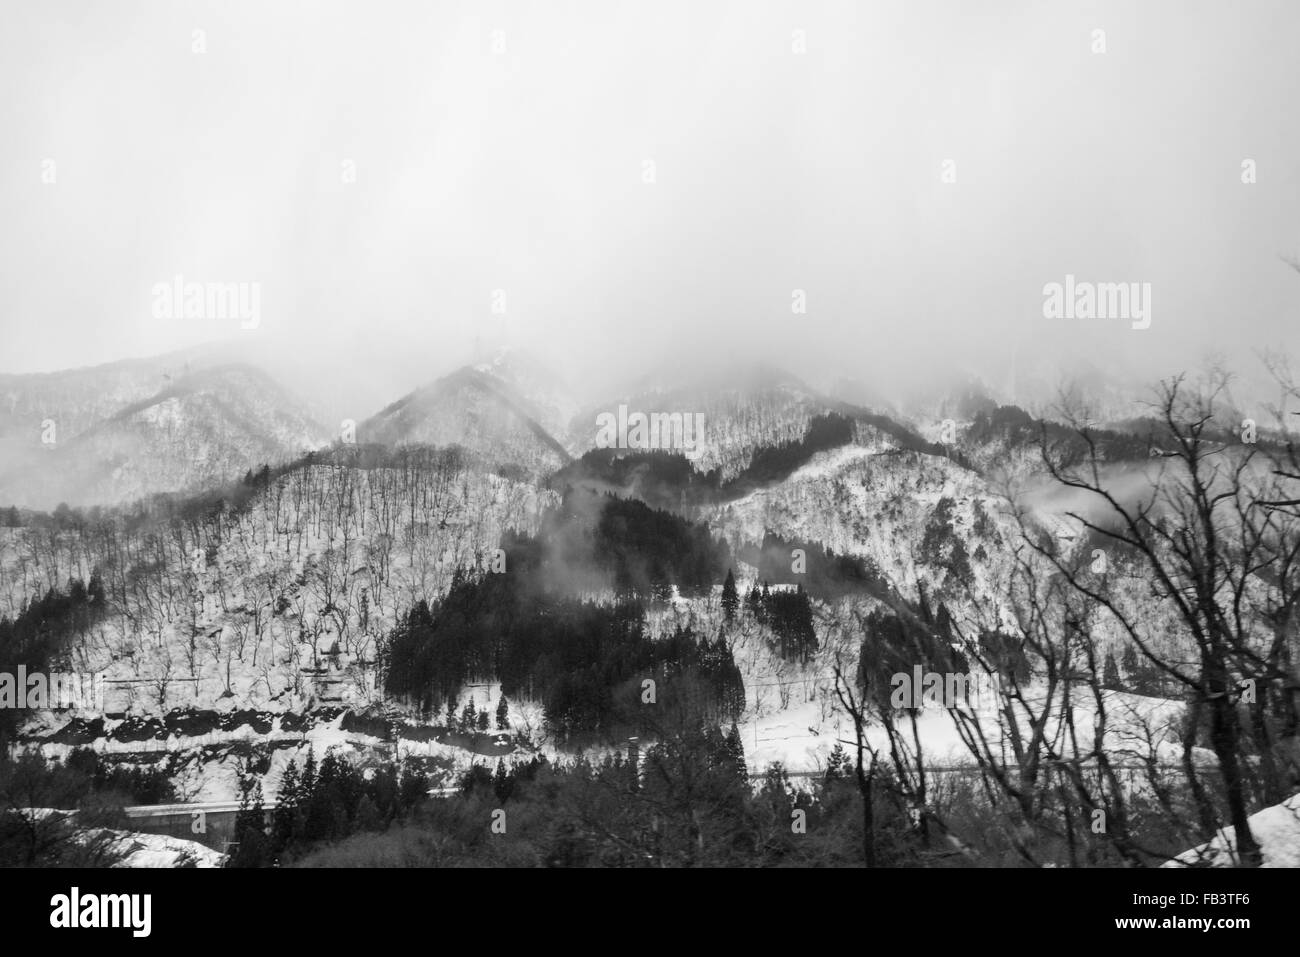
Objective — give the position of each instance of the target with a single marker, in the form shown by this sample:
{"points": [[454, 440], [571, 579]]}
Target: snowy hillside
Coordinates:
{"points": [[363, 602], [476, 410], [202, 429]]}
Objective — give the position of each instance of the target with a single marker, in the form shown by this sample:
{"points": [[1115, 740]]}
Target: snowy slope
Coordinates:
{"points": [[202, 429], [476, 410]]}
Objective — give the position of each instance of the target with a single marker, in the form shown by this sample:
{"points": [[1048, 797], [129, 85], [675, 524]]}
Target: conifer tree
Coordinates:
{"points": [[502, 782], [326, 813], [730, 600], [329, 769], [735, 751], [250, 823], [837, 765], [503, 714], [283, 818], [307, 783]]}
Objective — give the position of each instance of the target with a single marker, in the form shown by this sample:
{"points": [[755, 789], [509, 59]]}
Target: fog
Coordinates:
{"points": [[411, 184]]}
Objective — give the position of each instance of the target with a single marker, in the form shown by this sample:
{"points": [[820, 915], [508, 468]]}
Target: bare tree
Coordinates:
{"points": [[1216, 532], [864, 769]]}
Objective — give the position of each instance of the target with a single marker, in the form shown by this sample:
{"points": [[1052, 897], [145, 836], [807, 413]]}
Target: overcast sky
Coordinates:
{"points": [[523, 169]]}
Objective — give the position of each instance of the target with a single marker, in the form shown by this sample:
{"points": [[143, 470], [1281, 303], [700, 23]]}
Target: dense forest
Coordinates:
{"points": [[586, 660], [320, 803], [789, 615]]}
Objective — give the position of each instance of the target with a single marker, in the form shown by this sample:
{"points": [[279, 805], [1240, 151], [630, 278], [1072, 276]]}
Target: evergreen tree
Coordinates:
{"points": [[735, 751], [502, 782], [250, 823], [730, 600], [307, 783], [468, 717], [484, 720], [284, 817], [451, 714], [503, 714], [329, 770], [837, 766], [326, 813]]}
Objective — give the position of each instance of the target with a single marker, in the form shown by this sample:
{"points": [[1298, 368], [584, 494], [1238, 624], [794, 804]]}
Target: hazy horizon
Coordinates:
{"points": [[388, 176]]}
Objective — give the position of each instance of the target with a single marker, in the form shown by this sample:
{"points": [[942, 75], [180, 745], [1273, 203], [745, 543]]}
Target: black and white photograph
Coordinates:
{"points": [[650, 435]]}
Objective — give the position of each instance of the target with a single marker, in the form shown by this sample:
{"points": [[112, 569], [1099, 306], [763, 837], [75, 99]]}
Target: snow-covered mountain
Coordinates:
{"points": [[269, 615], [478, 410], [78, 399], [200, 429]]}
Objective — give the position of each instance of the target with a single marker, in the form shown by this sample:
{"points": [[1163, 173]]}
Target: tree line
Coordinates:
{"points": [[321, 802]]}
